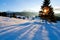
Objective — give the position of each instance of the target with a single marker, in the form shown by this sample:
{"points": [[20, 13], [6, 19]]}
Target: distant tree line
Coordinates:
{"points": [[14, 14], [5, 14]]}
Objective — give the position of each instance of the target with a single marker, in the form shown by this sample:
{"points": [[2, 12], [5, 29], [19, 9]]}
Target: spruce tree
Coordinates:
{"points": [[45, 3], [50, 15]]}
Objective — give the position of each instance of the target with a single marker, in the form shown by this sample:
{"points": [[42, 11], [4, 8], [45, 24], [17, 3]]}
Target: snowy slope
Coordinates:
{"points": [[19, 29]]}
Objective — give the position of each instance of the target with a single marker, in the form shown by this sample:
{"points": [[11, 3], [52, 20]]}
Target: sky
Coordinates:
{"points": [[26, 5]]}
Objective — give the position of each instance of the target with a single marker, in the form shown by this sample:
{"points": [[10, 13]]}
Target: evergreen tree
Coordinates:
{"points": [[50, 13], [45, 3]]}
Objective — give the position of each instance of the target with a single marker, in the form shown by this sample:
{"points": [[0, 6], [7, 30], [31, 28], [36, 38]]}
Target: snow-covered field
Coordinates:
{"points": [[24, 29]]}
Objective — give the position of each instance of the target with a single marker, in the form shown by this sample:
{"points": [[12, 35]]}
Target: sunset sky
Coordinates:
{"points": [[29, 5]]}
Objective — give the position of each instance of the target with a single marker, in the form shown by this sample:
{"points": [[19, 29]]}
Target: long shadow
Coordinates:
{"points": [[38, 35], [26, 37], [14, 35], [52, 32], [24, 24], [16, 25]]}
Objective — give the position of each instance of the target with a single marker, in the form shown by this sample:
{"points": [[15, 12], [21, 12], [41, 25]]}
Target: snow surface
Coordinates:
{"points": [[25, 29]]}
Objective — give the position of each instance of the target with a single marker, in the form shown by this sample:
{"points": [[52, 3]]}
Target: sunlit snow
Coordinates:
{"points": [[28, 29]]}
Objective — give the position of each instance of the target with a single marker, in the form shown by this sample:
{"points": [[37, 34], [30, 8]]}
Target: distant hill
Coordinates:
{"points": [[27, 13], [23, 13], [58, 14], [32, 14]]}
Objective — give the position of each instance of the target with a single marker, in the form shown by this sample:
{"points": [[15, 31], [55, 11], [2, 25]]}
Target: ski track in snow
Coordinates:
{"points": [[18, 29]]}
